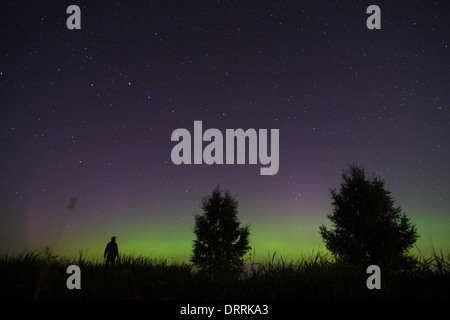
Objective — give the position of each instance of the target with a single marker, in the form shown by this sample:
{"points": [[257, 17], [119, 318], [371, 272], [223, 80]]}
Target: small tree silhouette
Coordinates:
{"points": [[368, 227], [221, 243]]}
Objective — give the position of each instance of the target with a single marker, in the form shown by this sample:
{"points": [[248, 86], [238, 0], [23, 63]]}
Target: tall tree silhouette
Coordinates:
{"points": [[220, 243], [368, 227]]}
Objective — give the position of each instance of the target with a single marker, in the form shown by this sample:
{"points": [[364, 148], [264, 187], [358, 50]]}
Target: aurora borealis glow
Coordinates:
{"points": [[89, 114]]}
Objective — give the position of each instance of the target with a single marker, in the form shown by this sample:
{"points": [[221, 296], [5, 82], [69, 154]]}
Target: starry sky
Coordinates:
{"points": [[87, 116]]}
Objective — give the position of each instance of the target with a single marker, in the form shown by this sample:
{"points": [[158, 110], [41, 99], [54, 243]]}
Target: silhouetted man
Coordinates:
{"points": [[111, 251]]}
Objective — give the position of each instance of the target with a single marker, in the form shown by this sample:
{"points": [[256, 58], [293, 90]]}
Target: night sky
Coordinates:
{"points": [[87, 117]]}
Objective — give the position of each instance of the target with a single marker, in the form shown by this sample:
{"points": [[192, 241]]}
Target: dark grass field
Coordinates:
{"points": [[31, 276]]}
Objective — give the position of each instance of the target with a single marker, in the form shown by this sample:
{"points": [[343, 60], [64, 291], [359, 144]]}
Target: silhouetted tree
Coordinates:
{"points": [[220, 243], [368, 227]]}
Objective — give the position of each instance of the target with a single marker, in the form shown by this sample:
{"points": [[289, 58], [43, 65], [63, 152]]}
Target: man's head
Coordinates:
{"points": [[113, 238]]}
